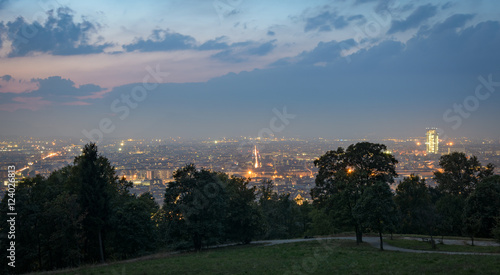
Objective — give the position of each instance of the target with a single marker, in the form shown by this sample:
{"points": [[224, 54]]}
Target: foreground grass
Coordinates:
{"points": [[420, 245], [313, 257]]}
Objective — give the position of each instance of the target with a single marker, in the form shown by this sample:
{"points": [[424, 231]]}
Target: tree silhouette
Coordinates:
{"points": [[343, 176], [94, 180]]}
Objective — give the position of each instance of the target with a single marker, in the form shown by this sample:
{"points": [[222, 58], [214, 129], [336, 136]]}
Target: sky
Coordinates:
{"points": [[228, 68]]}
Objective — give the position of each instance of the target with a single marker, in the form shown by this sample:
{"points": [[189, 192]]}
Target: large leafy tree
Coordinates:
{"points": [[195, 205], [456, 180], [460, 174], [482, 207], [343, 176], [242, 221], [95, 183]]}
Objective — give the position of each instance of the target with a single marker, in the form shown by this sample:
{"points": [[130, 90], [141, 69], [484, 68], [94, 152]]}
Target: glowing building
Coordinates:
{"points": [[257, 164], [432, 141]]}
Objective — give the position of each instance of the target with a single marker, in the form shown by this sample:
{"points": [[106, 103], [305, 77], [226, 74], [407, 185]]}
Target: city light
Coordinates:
{"points": [[50, 155]]}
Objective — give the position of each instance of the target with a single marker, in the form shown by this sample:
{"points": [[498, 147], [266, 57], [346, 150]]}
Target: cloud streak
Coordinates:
{"points": [[162, 40], [414, 20]]}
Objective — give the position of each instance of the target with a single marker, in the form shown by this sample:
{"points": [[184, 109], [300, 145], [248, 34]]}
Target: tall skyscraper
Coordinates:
{"points": [[432, 141]]}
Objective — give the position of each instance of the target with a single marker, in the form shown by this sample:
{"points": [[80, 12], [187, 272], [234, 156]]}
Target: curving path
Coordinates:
{"points": [[458, 242], [375, 242]]}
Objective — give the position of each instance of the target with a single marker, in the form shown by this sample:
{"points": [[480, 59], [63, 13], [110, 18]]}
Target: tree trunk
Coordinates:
{"points": [[51, 264], [472, 239], [359, 235], [197, 242], [39, 252], [381, 240], [101, 252], [433, 243]]}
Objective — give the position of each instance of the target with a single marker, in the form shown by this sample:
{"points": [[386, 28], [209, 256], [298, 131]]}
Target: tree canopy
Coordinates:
{"points": [[460, 174], [344, 175]]}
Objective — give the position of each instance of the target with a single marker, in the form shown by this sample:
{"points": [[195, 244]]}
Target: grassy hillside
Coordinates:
{"points": [[313, 257]]}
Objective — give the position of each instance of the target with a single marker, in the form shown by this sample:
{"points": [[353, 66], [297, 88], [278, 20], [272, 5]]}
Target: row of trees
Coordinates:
{"points": [[206, 208], [465, 202], [83, 213], [353, 191], [80, 214]]}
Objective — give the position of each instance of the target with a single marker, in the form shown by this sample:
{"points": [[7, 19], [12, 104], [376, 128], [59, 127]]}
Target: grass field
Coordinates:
{"points": [[313, 257], [419, 245]]}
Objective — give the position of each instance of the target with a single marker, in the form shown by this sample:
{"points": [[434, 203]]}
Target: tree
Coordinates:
{"points": [[48, 228], [496, 229], [63, 220], [376, 209], [450, 210], [61, 227], [195, 204], [460, 174], [133, 231], [242, 221], [482, 207], [321, 222], [280, 214], [344, 174], [413, 202], [28, 236], [305, 219], [95, 183]]}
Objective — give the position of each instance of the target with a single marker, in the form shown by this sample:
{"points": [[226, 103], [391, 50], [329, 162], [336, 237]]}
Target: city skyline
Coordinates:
{"points": [[149, 164], [350, 69]]}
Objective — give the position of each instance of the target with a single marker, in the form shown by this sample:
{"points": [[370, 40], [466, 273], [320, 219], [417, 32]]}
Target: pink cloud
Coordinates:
{"points": [[112, 70], [28, 103], [95, 95], [17, 86], [76, 103]]}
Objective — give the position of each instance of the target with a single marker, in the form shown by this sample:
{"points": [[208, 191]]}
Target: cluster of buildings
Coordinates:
{"points": [[289, 163]]}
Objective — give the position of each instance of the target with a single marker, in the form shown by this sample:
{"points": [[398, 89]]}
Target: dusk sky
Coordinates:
{"points": [[227, 68]]}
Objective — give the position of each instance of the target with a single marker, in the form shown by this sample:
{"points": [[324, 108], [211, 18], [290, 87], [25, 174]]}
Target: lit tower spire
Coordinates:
{"points": [[256, 156]]}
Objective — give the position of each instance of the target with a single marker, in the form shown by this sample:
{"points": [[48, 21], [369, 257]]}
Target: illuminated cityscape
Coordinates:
{"points": [[150, 163]]}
